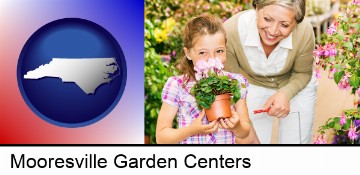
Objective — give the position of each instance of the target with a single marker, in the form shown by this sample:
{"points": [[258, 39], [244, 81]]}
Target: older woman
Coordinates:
{"points": [[272, 46]]}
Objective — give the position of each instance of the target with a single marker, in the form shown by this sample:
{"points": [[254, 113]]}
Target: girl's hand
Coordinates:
{"points": [[230, 123], [280, 105], [199, 128]]}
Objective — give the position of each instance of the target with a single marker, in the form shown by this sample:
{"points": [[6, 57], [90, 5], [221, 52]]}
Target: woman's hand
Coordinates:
{"points": [[230, 123], [279, 104], [197, 127]]}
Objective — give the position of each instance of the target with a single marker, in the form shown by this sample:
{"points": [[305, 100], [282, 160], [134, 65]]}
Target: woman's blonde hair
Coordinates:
{"points": [[297, 5]]}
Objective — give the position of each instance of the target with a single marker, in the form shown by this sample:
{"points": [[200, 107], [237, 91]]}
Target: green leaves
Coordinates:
{"points": [[354, 81], [206, 89], [346, 126], [337, 126], [331, 124], [338, 76], [349, 45], [356, 25], [338, 67], [156, 74]]}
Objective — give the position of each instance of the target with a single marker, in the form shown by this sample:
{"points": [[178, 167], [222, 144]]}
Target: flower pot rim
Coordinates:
{"points": [[223, 96]]}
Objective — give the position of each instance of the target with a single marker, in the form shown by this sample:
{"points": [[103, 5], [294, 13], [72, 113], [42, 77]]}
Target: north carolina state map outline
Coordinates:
{"points": [[87, 73]]}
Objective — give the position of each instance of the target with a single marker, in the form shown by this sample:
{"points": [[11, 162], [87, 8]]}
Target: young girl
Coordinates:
{"points": [[204, 38]]}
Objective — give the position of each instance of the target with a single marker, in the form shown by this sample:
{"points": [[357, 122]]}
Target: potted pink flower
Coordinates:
{"points": [[213, 90]]}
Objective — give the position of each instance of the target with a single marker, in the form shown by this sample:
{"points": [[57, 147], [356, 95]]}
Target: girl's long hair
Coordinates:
{"points": [[195, 28]]}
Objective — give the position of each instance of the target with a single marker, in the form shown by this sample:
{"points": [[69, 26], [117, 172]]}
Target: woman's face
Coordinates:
{"points": [[207, 46], [274, 23]]}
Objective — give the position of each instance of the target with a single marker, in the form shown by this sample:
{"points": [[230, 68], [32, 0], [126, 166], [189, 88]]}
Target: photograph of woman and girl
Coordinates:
{"points": [[270, 49]]}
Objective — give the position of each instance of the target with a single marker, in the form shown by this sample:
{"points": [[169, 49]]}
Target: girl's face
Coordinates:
{"points": [[207, 46], [274, 23]]}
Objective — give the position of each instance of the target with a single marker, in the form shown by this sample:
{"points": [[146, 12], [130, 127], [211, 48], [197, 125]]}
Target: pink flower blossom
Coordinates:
{"points": [[342, 119], [351, 31], [336, 24], [201, 65], [344, 83], [201, 69], [218, 64], [167, 10], [352, 133], [330, 50], [213, 65], [356, 2], [206, 7], [331, 30], [198, 76], [320, 139], [165, 57], [319, 51], [358, 91], [326, 50], [223, 5]]}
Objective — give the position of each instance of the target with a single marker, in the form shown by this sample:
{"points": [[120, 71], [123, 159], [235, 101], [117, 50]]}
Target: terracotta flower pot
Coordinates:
{"points": [[146, 139], [220, 108]]}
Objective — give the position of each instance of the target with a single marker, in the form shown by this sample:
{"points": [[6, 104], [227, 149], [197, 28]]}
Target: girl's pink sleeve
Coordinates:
{"points": [[170, 92]]}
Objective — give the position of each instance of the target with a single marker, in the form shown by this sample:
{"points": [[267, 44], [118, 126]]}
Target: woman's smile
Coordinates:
{"points": [[270, 37]]}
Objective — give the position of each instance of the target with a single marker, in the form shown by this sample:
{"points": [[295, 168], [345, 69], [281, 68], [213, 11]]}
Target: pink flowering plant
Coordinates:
{"points": [[211, 81], [340, 51], [339, 54], [346, 127]]}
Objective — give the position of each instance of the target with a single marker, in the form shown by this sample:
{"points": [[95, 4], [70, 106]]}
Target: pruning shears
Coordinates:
{"points": [[261, 110]]}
